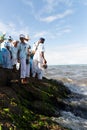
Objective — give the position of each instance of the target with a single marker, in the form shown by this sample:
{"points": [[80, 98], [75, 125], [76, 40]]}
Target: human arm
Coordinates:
{"points": [[18, 58], [44, 60]]}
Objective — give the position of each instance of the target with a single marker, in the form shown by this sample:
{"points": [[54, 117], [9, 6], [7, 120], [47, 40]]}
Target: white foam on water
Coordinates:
{"points": [[75, 78], [80, 89], [69, 120]]}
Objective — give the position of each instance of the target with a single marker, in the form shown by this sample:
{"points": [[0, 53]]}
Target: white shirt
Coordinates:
{"points": [[37, 55], [7, 62], [23, 48], [14, 51]]}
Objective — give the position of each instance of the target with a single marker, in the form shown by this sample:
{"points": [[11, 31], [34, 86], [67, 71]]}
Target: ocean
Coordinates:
{"points": [[75, 78]]}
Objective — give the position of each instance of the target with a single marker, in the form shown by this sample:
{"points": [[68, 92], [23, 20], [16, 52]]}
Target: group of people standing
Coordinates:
{"points": [[18, 54]]}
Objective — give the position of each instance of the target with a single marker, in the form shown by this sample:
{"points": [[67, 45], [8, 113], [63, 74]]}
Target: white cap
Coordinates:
{"points": [[22, 36], [27, 37]]}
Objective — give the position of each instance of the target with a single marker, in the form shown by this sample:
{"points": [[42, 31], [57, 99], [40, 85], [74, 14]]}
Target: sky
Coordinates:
{"points": [[63, 24]]}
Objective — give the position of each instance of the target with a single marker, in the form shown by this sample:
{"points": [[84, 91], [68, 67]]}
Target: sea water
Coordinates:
{"points": [[75, 78]]}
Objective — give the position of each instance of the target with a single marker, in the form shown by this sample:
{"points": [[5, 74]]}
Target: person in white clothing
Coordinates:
{"points": [[39, 59], [14, 50], [2, 39], [27, 38], [7, 56], [22, 54]]}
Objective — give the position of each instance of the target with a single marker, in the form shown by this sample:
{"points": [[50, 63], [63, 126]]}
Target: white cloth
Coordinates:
{"points": [[25, 68], [14, 51], [17, 66], [28, 58], [36, 70], [28, 70], [7, 44], [37, 55], [23, 47], [7, 61], [38, 61]]}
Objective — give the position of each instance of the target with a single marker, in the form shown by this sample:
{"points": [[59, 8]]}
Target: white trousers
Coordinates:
{"points": [[37, 70], [25, 69], [14, 61]]}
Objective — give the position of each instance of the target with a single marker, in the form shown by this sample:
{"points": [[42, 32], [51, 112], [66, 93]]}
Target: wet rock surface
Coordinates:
{"points": [[30, 106]]}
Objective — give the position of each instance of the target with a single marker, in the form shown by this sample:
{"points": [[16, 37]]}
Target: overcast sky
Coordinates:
{"points": [[63, 23]]}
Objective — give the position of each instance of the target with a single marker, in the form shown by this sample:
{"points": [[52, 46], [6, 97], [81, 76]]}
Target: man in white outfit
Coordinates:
{"points": [[27, 38], [39, 59], [7, 56], [14, 50], [22, 54]]}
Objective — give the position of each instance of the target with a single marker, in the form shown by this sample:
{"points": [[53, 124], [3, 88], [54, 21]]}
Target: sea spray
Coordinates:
{"points": [[75, 78], [71, 121]]}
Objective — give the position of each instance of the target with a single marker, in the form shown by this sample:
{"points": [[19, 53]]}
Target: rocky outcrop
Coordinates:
{"points": [[30, 106]]}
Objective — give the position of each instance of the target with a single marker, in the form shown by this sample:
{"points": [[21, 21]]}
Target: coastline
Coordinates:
{"points": [[31, 106]]}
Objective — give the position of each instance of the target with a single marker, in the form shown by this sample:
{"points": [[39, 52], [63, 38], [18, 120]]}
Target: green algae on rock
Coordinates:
{"points": [[30, 106]]}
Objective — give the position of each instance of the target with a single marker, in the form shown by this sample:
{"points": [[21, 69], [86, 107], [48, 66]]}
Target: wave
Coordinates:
{"points": [[75, 78], [71, 121], [80, 89]]}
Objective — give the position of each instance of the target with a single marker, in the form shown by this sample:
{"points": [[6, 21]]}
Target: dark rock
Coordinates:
{"points": [[25, 105]]}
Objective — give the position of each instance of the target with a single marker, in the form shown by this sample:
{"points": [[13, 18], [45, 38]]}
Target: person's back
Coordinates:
{"points": [[39, 59], [14, 50], [7, 56], [2, 48]]}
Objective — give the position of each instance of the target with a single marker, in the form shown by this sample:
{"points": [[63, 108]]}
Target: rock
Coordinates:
{"points": [[25, 106]]}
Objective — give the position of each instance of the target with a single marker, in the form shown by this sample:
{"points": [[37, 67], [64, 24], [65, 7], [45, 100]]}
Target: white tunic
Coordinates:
{"points": [[14, 51], [38, 61], [38, 52], [23, 47]]}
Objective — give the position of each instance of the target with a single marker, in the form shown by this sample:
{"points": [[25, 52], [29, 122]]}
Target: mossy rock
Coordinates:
{"points": [[30, 106]]}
